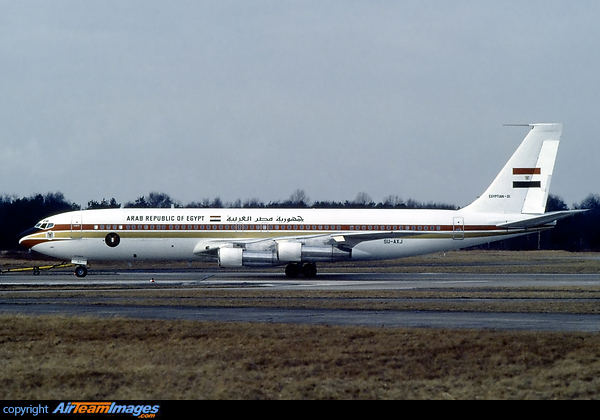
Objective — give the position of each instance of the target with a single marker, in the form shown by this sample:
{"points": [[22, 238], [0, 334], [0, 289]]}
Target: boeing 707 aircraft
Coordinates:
{"points": [[514, 204]]}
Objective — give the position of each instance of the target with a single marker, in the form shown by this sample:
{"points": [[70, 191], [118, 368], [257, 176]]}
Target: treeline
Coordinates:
{"points": [[20, 214], [298, 199], [575, 234], [578, 233]]}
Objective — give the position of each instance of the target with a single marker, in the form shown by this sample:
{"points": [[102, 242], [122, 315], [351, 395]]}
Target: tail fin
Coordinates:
{"points": [[523, 184]]}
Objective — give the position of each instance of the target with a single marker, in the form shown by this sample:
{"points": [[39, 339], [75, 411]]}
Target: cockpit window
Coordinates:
{"points": [[44, 224]]}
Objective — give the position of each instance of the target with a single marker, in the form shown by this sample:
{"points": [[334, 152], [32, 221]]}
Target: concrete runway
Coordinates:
{"points": [[326, 281], [331, 282]]}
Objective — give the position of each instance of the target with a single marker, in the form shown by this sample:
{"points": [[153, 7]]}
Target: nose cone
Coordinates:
{"points": [[29, 238]]}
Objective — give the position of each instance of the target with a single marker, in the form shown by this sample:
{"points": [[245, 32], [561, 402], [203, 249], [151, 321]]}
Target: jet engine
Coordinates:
{"points": [[298, 252], [280, 253], [237, 257]]}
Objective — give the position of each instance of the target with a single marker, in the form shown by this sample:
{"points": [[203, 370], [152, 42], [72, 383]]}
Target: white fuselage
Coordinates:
{"points": [[179, 234]]}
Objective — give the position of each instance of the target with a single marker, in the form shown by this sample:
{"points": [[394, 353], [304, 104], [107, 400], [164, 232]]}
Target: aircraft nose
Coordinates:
{"points": [[25, 240]]}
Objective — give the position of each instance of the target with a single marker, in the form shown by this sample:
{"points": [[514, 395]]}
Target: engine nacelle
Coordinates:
{"points": [[324, 254], [231, 257], [298, 252], [289, 251], [238, 257]]}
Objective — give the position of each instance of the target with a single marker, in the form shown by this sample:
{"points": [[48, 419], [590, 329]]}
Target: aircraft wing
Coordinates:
{"points": [[210, 248], [541, 220], [352, 239]]}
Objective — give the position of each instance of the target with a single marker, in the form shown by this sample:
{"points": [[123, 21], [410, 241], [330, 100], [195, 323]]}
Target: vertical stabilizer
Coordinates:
{"points": [[523, 184]]}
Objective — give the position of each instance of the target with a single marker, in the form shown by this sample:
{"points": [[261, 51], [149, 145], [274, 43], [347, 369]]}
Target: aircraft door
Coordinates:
{"points": [[458, 228], [76, 227]]}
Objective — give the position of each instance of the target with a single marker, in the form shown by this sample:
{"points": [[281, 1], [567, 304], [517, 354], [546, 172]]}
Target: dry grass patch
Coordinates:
{"points": [[86, 358], [482, 262], [566, 299]]}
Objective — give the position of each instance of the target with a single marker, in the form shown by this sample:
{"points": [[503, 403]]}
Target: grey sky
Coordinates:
{"points": [[255, 99]]}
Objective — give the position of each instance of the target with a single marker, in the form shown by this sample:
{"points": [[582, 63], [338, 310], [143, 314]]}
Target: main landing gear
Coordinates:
{"points": [[295, 269]]}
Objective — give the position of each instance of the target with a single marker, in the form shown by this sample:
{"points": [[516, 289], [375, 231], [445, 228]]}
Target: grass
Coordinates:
{"points": [[86, 358], [58, 357], [485, 262], [574, 300]]}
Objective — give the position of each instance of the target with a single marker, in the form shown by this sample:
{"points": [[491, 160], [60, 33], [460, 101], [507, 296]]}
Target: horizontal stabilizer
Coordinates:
{"points": [[541, 220]]}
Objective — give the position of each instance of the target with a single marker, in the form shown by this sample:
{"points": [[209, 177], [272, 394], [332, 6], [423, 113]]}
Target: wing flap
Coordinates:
{"points": [[354, 238]]}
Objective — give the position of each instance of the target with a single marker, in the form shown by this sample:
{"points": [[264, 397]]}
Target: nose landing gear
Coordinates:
{"points": [[81, 271]]}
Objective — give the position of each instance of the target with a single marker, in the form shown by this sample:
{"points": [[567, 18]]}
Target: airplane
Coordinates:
{"points": [[513, 205]]}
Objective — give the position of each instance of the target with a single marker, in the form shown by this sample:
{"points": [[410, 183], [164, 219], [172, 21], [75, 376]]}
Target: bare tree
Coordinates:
{"points": [[299, 199], [363, 200]]}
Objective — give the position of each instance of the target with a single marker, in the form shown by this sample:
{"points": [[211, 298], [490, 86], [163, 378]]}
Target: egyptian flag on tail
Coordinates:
{"points": [[527, 177]]}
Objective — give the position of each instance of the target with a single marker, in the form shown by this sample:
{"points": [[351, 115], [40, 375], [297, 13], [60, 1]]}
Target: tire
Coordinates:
{"points": [[80, 271], [292, 270], [309, 270]]}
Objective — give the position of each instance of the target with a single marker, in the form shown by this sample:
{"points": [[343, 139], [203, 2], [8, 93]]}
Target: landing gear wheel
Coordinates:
{"points": [[293, 270], [309, 270], [81, 271]]}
